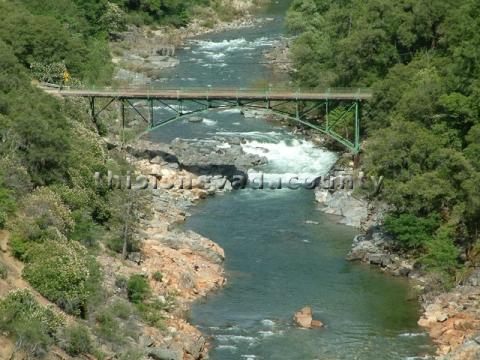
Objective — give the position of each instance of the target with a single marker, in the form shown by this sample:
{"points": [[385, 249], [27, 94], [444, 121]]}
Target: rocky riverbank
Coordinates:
{"points": [[212, 158], [190, 265], [141, 54], [279, 57], [452, 318]]}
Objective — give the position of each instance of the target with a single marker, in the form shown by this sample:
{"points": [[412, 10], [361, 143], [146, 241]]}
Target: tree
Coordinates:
{"points": [[127, 206], [422, 61], [410, 231]]}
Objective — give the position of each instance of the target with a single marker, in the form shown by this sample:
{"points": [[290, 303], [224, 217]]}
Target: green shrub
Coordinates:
{"points": [[78, 340], [14, 176], [32, 337], [114, 243], [151, 314], [122, 309], [19, 246], [48, 72], [117, 321], [86, 231], [133, 354], [3, 271], [62, 272], [410, 231], [7, 205], [43, 216], [32, 325], [157, 276], [138, 289], [108, 327], [441, 253]]}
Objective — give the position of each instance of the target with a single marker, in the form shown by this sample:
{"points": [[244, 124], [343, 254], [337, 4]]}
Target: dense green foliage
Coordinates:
{"points": [[117, 321], [37, 33], [52, 36], [138, 289], [7, 203], [175, 12], [422, 60], [412, 232], [33, 326], [126, 208], [157, 276], [61, 271], [49, 151]]}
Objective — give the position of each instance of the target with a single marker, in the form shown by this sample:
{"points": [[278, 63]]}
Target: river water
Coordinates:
{"points": [[282, 253]]}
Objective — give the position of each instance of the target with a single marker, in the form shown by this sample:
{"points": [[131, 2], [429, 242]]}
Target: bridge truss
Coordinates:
{"points": [[333, 112]]}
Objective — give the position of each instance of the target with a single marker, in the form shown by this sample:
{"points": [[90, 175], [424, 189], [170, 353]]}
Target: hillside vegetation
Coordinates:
{"points": [[58, 219], [422, 129]]}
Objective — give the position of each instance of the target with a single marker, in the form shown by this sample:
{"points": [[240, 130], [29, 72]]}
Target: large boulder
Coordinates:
{"points": [[164, 354], [214, 157], [342, 203], [304, 319]]}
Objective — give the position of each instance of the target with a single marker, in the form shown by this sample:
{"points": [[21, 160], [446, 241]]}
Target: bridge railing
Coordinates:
{"points": [[219, 90]]}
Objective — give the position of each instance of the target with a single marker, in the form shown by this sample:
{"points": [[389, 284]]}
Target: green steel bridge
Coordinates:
{"points": [[334, 112]]}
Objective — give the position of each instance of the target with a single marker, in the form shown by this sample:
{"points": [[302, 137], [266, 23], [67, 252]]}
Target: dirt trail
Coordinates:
{"points": [[14, 267]]}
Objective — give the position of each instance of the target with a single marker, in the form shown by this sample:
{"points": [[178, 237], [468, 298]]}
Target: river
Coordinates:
{"points": [[282, 253]]}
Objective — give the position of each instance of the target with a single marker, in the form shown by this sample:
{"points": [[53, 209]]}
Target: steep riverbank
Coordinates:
{"points": [[450, 317], [191, 265]]}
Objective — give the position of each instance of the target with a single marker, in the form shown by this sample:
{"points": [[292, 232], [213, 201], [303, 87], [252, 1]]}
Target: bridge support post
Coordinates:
{"points": [[122, 115], [356, 161], [326, 115], [357, 127], [150, 113], [92, 108], [93, 113]]}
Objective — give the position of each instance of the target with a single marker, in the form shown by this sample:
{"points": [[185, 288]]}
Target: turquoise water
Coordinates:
{"points": [[276, 262]]}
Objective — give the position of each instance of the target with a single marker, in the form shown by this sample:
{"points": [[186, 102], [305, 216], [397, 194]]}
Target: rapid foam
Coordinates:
{"points": [[235, 338], [229, 45], [217, 49], [291, 158]]}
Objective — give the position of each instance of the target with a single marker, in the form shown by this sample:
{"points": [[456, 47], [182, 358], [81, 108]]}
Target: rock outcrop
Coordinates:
{"points": [[304, 319], [279, 56], [181, 266], [453, 321], [342, 203], [214, 157], [377, 248]]}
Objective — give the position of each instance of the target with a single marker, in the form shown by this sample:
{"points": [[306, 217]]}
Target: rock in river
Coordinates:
{"points": [[304, 318], [195, 119]]}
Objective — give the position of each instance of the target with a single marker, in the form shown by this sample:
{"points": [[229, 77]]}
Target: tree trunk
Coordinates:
{"points": [[125, 230]]}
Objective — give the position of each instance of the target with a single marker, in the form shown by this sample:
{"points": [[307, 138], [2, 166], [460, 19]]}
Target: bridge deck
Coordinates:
{"points": [[218, 94]]}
